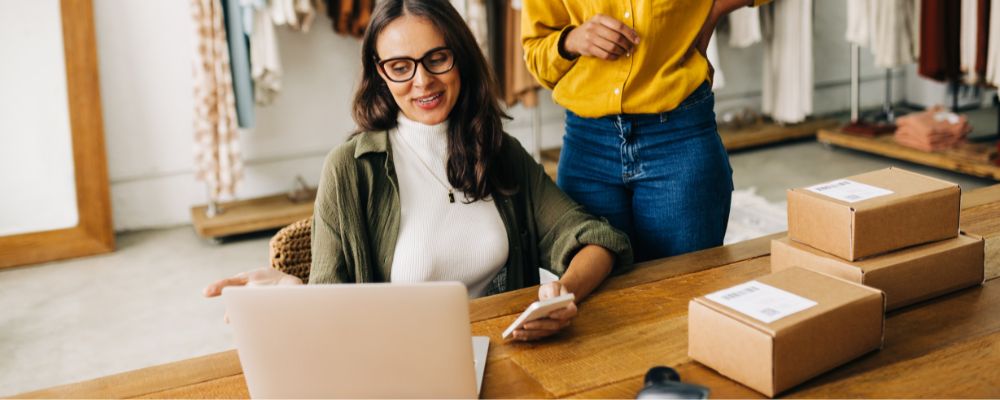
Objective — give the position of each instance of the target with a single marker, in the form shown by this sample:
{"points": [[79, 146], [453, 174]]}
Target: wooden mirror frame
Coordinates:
{"points": [[94, 233]]}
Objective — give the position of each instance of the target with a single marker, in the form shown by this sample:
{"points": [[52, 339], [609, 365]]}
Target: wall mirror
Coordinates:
{"points": [[54, 192]]}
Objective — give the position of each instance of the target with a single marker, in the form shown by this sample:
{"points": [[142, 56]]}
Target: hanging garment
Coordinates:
{"points": [[939, 40], [478, 20], [348, 17], [982, 37], [361, 16], [295, 14], [858, 23], [787, 83], [744, 27], [217, 155], [265, 62], [992, 75], [887, 27], [519, 86], [239, 61], [714, 64], [893, 32], [967, 43]]}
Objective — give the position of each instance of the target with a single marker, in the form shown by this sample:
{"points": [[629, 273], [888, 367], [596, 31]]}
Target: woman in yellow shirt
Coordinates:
{"points": [[641, 147]]}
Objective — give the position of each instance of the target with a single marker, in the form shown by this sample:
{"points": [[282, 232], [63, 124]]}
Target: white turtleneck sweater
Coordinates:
{"points": [[439, 240]]}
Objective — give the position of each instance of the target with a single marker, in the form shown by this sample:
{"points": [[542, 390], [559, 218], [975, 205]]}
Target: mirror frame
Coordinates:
{"points": [[94, 232]]}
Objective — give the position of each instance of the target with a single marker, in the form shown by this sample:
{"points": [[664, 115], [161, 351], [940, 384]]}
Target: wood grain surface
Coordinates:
{"points": [[945, 347]]}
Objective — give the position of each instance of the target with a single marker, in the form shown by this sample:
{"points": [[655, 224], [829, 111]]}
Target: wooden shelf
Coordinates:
{"points": [[251, 215], [764, 133], [886, 146]]}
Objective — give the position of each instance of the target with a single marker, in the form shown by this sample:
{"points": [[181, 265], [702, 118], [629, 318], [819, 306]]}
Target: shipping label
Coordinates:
{"points": [[760, 301]]}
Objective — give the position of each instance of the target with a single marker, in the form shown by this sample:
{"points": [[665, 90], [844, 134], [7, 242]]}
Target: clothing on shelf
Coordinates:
{"points": [[858, 23], [894, 32], [939, 40], [239, 61], [744, 27], [714, 64], [295, 14], [932, 130], [974, 39], [217, 155], [982, 37], [787, 84], [518, 84], [969, 36], [889, 28], [993, 47], [265, 61], [349, 17]]}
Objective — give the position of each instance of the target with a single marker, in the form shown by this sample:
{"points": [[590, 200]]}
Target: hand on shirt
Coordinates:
{"points": [[601, 37], [554, 323]]}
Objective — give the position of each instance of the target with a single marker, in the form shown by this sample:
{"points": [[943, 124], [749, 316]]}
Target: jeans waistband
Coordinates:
{"points": [[699, 95]]}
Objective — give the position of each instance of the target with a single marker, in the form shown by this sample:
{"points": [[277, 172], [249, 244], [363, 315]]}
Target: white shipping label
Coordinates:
{"points": [[762, 302], [848, 190]]}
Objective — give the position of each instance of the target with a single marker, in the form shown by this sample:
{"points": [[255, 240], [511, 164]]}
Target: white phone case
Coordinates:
{"points": [[539, 309]]}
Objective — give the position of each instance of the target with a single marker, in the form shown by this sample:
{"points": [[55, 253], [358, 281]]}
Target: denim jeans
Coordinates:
{"points": [[664, 179]]}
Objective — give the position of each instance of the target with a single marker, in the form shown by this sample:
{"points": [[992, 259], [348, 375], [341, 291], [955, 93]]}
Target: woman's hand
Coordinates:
{"points": [[257, 277], [601, 37], [552, 324]]}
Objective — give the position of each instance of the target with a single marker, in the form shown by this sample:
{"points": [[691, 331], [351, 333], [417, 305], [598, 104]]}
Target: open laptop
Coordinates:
{"points": [[356, 340]]}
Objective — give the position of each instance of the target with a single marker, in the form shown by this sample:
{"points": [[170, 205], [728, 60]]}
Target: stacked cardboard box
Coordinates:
{"points": [[891, 229], [779, 330], [855, 248]]}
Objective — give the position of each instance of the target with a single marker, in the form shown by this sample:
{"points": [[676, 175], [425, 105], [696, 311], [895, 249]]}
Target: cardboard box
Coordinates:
{"points": [[873, 213], [991, 247], [906, 276], [845, 321]]}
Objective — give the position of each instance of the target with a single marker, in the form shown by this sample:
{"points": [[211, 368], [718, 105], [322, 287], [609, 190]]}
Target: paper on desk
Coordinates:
{"points": [[762, 302]]}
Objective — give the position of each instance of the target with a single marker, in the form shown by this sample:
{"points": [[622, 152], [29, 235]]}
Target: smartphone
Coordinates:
{"points": [[538, 310]]}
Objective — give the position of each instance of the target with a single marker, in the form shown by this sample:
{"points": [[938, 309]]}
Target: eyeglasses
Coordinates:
{"points": [[437, 61]]}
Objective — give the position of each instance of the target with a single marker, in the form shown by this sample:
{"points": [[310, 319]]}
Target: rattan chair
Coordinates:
{"points": [[291, 249]]}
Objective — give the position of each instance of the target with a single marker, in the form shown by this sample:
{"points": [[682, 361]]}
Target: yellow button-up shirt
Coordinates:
{"points": [[656, 77]]}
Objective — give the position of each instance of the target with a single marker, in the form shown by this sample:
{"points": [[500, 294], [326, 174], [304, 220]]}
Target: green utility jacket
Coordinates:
{"points": [[356, 218]]}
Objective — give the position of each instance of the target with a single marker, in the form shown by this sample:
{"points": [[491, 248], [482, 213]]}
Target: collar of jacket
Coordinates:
{"points": [[371, 142]]}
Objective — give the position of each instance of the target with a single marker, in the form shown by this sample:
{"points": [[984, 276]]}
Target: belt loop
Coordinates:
{"points": [[663, 116]]}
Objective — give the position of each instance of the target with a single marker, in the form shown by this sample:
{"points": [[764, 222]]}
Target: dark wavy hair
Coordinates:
{"points": [[475, 129]]}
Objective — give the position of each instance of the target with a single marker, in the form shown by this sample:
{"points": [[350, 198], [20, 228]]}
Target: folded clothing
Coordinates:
{"points": [[932, 130]]}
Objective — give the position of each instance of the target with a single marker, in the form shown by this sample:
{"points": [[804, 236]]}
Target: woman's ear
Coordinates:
{"points": [[385, 81]]}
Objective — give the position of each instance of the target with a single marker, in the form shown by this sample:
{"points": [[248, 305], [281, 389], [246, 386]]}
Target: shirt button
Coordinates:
{"points": [[628, 14], [618, 91]]}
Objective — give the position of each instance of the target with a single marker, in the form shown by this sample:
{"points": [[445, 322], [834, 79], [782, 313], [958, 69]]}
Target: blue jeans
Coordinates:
{"points": [[664, 179]]}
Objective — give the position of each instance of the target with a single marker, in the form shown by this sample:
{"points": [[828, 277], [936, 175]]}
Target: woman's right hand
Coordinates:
{"points": [[257, 277], [602, 37]]}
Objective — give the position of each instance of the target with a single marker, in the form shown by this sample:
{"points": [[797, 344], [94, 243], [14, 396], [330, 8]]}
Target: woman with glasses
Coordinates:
{"points": [[431, 188]]}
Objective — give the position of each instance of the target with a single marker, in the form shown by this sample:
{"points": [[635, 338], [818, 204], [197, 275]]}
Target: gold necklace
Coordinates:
{"points": [[451, 191]]}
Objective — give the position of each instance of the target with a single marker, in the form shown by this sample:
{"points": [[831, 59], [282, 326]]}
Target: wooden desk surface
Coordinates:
{"points": [[948, 347]]}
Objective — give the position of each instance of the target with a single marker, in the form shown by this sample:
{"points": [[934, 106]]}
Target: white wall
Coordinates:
{"points": [[145, 62]]}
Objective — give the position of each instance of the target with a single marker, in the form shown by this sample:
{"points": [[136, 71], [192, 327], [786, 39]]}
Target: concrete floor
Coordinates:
{"points": [[74, 320]]}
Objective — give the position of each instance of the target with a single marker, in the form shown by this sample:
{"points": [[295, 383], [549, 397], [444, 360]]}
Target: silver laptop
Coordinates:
{"points": [[356, 340]]}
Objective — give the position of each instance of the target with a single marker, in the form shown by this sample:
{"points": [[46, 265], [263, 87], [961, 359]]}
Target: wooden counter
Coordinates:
{"points": [[948, 347]]}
